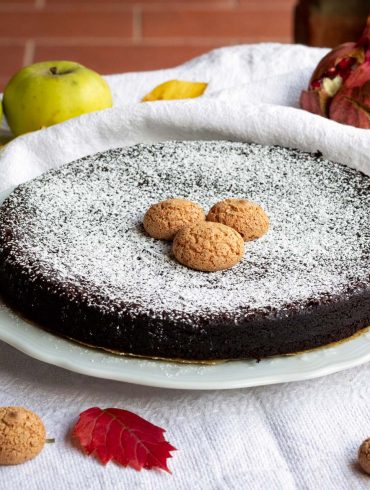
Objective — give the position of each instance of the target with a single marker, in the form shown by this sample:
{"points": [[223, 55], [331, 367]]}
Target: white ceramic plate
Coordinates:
{"points": [[37, 343]]}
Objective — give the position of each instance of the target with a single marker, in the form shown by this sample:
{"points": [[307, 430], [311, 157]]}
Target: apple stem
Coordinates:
{"points": [[53, 70]]}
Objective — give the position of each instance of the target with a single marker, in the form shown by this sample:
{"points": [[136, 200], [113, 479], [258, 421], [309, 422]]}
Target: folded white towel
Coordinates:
{"points": [[252, 95]]}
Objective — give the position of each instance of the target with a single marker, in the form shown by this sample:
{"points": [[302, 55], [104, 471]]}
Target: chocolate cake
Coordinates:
{"points": [[74, 256]]}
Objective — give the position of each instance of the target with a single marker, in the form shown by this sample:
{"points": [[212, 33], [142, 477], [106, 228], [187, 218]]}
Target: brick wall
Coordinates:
{"points": [[126, 35]]}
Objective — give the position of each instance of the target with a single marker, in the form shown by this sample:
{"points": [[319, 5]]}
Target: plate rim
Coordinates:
{"points": [[59, 358], [334, 363]]}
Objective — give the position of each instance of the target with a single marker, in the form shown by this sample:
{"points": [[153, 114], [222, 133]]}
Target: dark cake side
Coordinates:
{"points": [[290, 330]]}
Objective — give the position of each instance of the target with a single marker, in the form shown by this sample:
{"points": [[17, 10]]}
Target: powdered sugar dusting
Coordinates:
{"points": [[82, 225]]}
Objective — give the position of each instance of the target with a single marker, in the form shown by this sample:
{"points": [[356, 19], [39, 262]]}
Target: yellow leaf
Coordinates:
{"points": [[176, 89]]}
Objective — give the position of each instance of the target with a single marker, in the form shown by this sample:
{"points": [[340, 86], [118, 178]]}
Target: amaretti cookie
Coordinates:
{"points": [[164, 219], [246, 217], [208, 247]]}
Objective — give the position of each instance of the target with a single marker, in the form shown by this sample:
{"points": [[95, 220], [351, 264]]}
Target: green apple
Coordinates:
{"points": [[50, 92]]}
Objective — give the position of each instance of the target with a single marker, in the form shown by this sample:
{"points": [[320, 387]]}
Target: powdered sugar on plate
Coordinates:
{"points": [[82, 225]]}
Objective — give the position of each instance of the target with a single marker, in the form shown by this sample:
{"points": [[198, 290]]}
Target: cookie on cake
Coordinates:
{"points": [[246, 217], [208, 246], [164, 219]]}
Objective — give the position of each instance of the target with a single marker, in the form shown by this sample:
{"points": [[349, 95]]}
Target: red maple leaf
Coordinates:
{"points": [[124, 437]]}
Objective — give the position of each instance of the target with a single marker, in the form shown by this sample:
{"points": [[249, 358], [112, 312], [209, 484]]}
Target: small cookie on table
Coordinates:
{"points": [[22, 435]]}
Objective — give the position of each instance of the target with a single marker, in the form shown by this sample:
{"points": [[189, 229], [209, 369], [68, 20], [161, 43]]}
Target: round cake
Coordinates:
{"points": [[74, 256]]}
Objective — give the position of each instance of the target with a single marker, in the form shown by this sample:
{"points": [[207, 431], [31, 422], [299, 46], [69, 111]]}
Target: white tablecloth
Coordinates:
{"points": [[292, 436]]}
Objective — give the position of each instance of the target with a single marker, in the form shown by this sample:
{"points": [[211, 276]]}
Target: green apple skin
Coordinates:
{"points": [[50, 92]]}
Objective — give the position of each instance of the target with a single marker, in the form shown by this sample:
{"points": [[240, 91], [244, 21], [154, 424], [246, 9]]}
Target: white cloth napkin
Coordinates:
{"points": [[291, 436], [252, 96]]}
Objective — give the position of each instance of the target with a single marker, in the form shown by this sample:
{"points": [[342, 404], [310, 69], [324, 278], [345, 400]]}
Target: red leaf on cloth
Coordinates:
{"points": [[124, 437]]}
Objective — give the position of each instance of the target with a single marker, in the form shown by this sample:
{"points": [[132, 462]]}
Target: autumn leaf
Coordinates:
{"points": [[124, 437], [176, 89]]}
